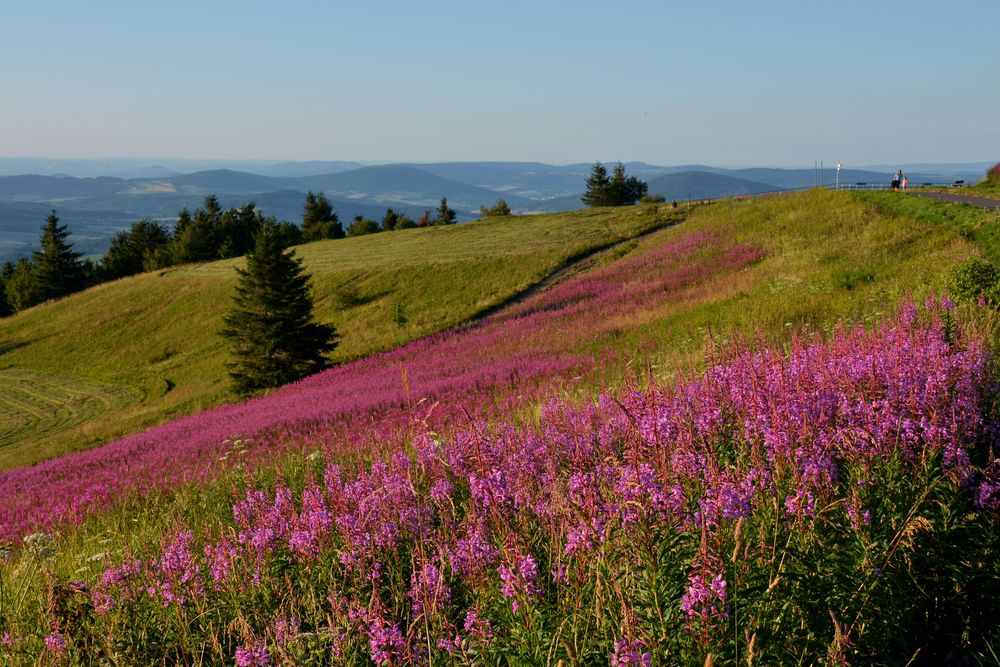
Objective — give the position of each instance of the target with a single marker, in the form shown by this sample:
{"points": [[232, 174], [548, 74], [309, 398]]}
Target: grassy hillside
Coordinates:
{"points": [[152, 342], [788, 507]]}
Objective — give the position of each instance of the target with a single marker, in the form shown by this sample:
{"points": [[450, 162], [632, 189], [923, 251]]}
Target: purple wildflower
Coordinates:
{"points": [[628, 653], [55, 643], [254, 656]]}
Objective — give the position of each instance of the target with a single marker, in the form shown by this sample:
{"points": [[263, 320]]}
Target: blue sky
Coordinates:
{"points": [[722, 83]]}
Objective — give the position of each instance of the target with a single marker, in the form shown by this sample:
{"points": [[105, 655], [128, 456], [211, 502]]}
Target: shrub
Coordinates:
{"points": [[347, 296], [974, 278], [993, 173], [499, 209], [653, 199]]}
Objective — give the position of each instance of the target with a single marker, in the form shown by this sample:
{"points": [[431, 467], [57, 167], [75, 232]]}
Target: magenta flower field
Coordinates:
{"points": [[677, 513], [488, 367]]}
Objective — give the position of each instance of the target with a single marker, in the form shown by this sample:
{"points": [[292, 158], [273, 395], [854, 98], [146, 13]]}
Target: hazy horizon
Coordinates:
{"points": [[727, 83]]}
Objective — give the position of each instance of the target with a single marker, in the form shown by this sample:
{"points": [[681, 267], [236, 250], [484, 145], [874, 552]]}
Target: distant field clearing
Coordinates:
{"points": [[34, 403]]}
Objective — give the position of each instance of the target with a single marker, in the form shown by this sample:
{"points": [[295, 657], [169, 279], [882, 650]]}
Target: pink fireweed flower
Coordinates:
{"points": [[428, 591], [705, 599], [518, 582], [177, 572], [253, 656], [286, 629], [55, 643], [312, 526], [473, 555], [630, 653], [386, 643], [477, 627], [219, 557]]}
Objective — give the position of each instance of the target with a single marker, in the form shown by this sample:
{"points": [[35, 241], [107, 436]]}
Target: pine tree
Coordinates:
{"points": [[445, 215], [57, 268], [5, 307], [597, 187], [270, 328], [318, 219], [624, 190], [390, 220], [132, 251]]}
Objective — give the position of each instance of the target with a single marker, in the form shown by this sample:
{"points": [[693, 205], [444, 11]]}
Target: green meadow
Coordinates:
{"points": [[141, 350]]}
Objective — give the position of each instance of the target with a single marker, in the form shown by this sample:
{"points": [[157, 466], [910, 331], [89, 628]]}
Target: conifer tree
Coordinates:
{"points": [[57, 268], [597, 187], [318, 219], [390, 220], [5, 307], [133, 251], [618, 190], [445, 215], [624, 190], [270, 328]]}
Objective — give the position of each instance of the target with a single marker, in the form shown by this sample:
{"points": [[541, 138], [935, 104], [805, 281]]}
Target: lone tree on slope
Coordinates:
{"points": [[58, 270], [272, 335]]}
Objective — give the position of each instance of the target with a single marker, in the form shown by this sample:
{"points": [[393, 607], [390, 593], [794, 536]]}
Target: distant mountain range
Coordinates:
{"points": [[98, 197]]}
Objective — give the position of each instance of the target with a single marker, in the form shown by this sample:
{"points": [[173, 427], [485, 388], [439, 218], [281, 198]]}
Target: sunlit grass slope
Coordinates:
{"points": [[150, 341], [829, 258], [766, 268]]}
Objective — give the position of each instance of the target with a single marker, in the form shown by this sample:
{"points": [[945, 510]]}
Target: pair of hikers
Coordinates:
{"points": [[899, 180]]}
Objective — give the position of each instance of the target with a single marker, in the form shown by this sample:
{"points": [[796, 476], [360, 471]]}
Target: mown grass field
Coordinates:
{"points": [[152, 340]]}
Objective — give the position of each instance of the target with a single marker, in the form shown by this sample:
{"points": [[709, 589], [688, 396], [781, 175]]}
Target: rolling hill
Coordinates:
{"points": [[704, 185], [151, 340]]}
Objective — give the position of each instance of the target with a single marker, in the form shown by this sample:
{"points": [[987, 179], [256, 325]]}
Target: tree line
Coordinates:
{"points": [[207, 233]]}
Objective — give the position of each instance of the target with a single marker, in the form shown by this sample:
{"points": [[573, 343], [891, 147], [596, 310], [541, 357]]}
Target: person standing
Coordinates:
{"points": [[902, 182], [896, 178]]}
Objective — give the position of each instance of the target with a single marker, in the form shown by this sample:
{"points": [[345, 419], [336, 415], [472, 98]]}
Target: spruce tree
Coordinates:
{"points": [[5, 307], [624, 190], [133, 251], [318, 219], [390, 220], [445, 215], [272, 335], [57, 268], [598, 185]]}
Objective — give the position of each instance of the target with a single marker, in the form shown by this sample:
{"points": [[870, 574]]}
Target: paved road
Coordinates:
{"points": [[978, 202]]}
